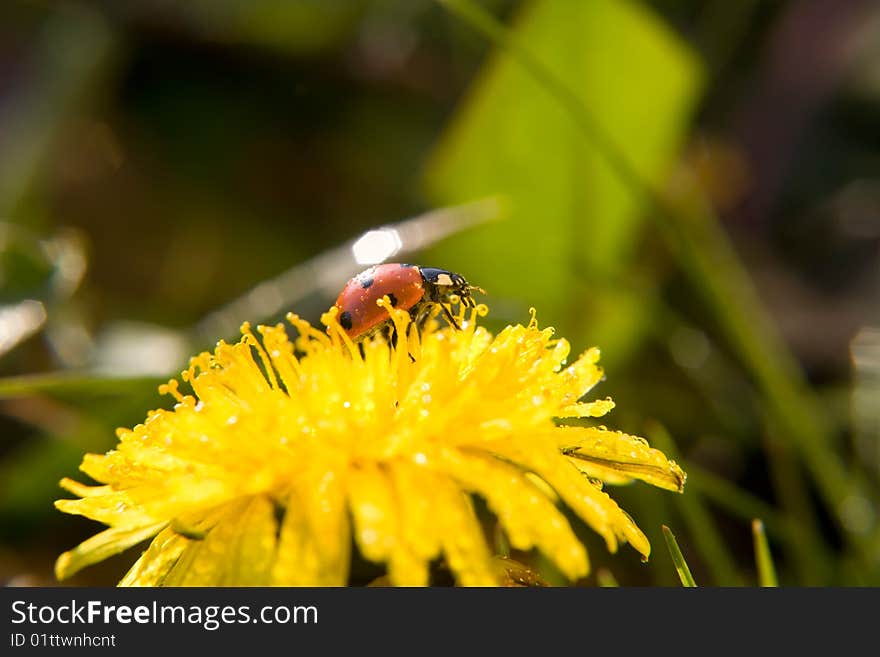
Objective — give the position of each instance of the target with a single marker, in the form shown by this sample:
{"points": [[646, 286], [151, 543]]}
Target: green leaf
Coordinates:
{"points": [[684, 573], [573, 222]]}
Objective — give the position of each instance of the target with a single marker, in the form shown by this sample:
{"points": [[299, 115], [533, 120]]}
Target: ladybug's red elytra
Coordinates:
{"points": [[408, 287]]}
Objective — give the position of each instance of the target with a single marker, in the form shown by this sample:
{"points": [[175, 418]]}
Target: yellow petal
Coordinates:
{"points": [[373, 511], [596, 408], [238, 550], [589, 502], [102, 503], [414, 493], [251, 556], [195, 524], [101, 546], [614, 456], [527, 515], [314, 542], [297, 561], [155, 563], [82, 490], [463, 541]]}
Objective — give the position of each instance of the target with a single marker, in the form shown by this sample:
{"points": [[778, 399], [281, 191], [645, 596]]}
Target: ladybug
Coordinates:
{"points": [[408, 287]]}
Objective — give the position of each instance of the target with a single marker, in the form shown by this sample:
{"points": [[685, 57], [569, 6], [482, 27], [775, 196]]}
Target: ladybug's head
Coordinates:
{"points": [[440, 285]]}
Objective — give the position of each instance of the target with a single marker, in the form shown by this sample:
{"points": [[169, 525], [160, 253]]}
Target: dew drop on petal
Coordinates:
{"points": [[232, 419], [420, 458], [346, 404], [199, 406]]}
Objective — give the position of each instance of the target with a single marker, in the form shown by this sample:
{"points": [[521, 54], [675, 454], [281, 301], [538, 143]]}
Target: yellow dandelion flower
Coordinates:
{"points": [[288, 450]]}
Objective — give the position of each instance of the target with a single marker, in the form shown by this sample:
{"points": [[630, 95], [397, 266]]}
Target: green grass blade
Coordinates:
{"points": [[74, 385], [763, 558], [684, 573]]}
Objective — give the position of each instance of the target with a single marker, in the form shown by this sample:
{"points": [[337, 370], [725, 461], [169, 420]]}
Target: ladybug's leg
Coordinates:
{"points": [[449, 317]]}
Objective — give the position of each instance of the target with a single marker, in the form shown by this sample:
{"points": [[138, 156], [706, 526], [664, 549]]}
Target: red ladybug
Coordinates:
{"points": [[408, 287]]}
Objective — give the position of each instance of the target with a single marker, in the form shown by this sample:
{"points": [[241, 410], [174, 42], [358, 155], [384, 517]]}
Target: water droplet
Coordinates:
{"points": [[424, 412], [632, 455], [199, 406], [537, 400], [426, 386], [232, 419], [420, 458], [426, 399], [346, 404]]}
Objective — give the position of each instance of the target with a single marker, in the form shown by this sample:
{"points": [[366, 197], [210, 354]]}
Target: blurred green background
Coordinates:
{"points": [[694, 186]]}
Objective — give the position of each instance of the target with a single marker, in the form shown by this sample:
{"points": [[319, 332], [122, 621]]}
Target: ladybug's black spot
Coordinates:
{"points": [[367, 282], [345, 320], [392, 299]]}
